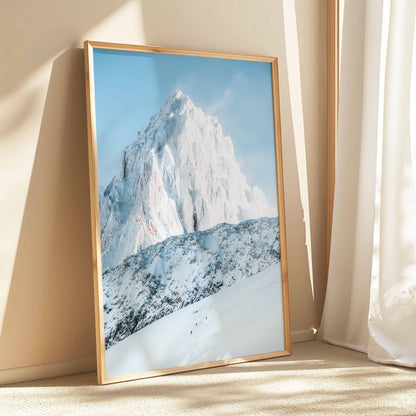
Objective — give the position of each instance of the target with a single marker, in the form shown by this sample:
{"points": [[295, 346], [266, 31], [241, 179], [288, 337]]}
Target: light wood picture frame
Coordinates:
{"points": [[187, 209]]}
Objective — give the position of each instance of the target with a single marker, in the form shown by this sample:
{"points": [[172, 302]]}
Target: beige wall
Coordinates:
{"points": [[46, 290]]}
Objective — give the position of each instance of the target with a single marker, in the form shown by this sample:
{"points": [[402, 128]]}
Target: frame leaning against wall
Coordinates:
{"points": [[90, 46]]}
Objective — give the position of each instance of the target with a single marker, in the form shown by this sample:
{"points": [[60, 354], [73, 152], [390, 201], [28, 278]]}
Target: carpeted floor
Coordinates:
{"points": [[317, 379]]}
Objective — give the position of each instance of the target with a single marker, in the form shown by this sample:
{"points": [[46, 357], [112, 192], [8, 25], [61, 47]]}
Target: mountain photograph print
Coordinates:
{"points": [[187, 210]]}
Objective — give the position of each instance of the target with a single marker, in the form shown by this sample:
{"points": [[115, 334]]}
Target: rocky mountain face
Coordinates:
{"points": [[179, 176], [183, 269]]}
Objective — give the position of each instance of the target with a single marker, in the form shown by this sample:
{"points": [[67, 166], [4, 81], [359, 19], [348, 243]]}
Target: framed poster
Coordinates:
{"points": [[187, 210]]}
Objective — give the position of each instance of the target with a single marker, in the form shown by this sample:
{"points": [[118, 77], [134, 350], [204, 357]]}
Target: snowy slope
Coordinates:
{"points": [[182, 270], [179, 176], [241, 320]]}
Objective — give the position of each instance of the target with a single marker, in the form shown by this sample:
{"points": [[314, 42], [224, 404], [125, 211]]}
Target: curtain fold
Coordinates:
{"points": [[371, 295]]}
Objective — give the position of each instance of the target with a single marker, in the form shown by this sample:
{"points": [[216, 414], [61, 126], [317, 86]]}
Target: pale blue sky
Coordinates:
{"points": [[130, 87]]}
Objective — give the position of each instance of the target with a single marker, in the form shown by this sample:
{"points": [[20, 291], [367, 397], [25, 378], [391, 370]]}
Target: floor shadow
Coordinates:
{"points": [[346, 383], [52, 276], [314, 359]]}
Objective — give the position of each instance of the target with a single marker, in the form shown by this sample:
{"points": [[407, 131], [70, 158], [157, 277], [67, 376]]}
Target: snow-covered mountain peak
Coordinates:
{"points": [[172, 116], [179, 176], [179, 97], [177, 104]]}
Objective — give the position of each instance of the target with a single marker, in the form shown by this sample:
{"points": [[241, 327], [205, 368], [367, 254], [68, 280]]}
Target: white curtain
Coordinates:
{"points": [[370, 304]]}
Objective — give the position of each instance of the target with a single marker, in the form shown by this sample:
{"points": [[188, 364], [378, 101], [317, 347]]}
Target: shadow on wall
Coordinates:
{"points": [[49, 293], [40, 30], [36, 32]]}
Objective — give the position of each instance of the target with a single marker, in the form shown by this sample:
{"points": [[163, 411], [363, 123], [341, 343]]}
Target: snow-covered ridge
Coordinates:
{"points": [[183, 269], [208, 329], [179, 176]]}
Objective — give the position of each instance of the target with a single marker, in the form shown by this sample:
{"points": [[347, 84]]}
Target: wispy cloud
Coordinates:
{"points": [[226, 99], [188, 82], [228, 96]]}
